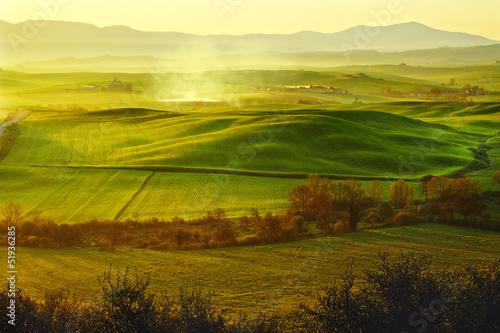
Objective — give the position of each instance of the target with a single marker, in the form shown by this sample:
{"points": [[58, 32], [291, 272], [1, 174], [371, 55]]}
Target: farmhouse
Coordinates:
{"points": [[314, 89], [91, 87], [118, 86]]}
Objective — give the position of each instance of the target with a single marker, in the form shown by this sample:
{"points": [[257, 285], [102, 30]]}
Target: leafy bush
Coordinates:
{"points": [[405, 294]]}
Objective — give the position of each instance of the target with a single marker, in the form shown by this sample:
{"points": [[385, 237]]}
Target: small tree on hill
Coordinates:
{"points": [[321, 207], [12, 213], [114, 234], [424, 186], [348, 196], [299, 197], [224, 234], [401, 194], [435, 93], [270, 229], [375, 192], [245, 223], [467, 206], [180, 236], [438, 187], [317, 184], [255, 215], [465, 186], [220, 215]]}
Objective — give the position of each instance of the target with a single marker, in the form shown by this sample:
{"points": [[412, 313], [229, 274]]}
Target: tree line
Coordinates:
{"points": [[341, 205], [333, 206], [213, 229]]}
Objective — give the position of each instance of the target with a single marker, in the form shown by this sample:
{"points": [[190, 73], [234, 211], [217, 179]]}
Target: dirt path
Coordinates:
{"points": [[143, 185], [15, 120]]}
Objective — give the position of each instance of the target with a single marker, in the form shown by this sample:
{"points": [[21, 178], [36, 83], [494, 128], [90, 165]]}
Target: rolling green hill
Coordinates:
{"points": [[342, 143], [143, 153], [115, 163]]}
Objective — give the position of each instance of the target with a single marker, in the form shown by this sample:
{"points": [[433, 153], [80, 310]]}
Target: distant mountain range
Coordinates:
{"points": [[56, 39]]}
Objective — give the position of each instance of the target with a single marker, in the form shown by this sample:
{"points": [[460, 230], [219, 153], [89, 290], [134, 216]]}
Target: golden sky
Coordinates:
{"points": [[238, 17]]}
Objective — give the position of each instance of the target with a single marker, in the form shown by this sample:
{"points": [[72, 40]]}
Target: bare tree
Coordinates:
{"points": [[12, 213]]}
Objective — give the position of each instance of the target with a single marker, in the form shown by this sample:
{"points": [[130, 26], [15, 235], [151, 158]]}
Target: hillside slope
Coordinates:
{"points": [[342, 143]]}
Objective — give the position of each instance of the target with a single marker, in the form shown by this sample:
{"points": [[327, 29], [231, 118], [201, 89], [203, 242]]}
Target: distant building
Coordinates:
{"points": [[90, 87], [117, 85], [357, 101], [361, 75]]}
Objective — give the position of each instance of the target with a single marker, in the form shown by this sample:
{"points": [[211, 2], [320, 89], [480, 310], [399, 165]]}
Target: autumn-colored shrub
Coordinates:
{"points": [[404, 218], [249, 240]]}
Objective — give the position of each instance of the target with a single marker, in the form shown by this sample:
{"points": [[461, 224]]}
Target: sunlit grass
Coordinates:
{"points": [[250, 279]]}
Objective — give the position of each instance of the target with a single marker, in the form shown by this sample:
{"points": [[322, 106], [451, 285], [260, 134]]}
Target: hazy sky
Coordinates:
{"points": [[262, 16]]}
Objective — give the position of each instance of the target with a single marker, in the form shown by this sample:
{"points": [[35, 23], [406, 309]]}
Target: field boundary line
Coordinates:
{"points": [[141, 188], [167, 169]]}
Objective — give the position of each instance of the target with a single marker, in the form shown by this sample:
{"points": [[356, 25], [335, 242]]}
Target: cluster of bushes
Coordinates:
{"points": [[127, 306], [457, 200], [211, 230], [339, 206], [402, 293], [408, 295]]}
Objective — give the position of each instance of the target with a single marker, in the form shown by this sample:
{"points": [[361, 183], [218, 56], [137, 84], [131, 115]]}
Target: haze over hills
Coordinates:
{"points": [[265, 60], [58, 39]]}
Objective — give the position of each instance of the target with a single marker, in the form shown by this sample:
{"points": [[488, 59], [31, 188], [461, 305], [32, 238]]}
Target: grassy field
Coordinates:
{"points": [[259, 278], [293, 141], [112, 164], [240, 87], [77, 165], [128, 155], [70, 195]]}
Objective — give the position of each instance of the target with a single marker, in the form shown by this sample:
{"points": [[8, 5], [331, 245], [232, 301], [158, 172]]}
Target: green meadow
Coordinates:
{"points": [[258, 278], [77, 165], [294, 141], [114, 155], [71, 195]]}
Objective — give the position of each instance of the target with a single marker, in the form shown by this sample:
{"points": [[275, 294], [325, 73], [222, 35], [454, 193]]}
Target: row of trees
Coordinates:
{"points": [[402, 293], [211, 230], [335, 206], [417, 91], [448, 197], [338, 206], [436, 93], [332, 203]]}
